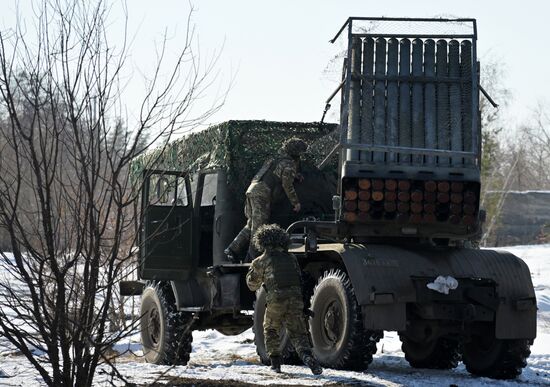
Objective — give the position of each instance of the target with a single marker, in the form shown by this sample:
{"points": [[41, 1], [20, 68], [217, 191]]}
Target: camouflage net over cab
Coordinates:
{"points": [[238, 147]]}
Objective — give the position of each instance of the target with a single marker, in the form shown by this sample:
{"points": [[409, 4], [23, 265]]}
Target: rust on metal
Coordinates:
{"points": [[429, 208], [378, 184], [350, 205], [350, 216], [416, 207], [350, 194], [417, 196], [430, 197], [391, 184], [364, 183], [404, 185], [443, 197], [443, 186], [404, 196], [456, 198], [378, 196], [364, 206], [390, 196], [430, 186], [364, 195]]}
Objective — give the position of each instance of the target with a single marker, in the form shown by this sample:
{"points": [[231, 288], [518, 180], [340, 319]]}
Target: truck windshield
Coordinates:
{"points": [[167, 190]]}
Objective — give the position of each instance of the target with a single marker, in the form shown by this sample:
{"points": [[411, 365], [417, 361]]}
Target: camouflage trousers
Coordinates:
{"points": [[257, 210], [288, 313]]}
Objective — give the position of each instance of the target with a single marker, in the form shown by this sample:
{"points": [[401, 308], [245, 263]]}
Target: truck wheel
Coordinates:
{"points": [[339, 339], [495, 358], [288, 353], [442, 353], [165, 336]]}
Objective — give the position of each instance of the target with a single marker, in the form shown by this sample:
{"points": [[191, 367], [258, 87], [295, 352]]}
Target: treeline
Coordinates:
{"points": [[515, 155]]}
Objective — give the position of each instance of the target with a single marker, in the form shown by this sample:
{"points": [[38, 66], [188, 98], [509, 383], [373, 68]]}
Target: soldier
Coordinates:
{"points": [[275, 172], [279, 273]]}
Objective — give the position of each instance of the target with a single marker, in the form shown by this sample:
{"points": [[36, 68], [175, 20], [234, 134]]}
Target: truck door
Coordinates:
{"points": [[166, 251]]}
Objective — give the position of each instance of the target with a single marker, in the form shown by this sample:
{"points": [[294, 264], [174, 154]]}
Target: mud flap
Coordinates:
{"points": [[513, 323], [391, 317]]}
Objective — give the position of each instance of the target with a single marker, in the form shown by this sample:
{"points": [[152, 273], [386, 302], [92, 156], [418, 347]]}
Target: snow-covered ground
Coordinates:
{"points": [[218, 359]]}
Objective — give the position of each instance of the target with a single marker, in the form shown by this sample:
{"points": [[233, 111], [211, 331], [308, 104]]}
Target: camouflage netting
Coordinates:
{"points": [[238, 147]]}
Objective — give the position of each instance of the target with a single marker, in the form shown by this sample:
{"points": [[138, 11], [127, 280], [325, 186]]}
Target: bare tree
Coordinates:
{"points": [[66, 200], [495, 178], [534, 172]]}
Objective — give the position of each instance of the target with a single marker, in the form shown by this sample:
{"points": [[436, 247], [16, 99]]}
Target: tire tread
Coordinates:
{"points": [[446, 354], [361, 346], [508, 364], [177, 337]]}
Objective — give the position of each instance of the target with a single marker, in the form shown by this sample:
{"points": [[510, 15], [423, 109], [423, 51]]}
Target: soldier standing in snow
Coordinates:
{"points": [[275, 172], [278, 271]]}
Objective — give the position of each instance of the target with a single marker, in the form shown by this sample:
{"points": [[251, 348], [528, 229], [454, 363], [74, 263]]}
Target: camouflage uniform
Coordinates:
{"points": [[278, 271], [276, 172]]}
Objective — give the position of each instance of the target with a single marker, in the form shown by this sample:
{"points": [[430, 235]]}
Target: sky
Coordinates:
{"points": [[274, 54]]}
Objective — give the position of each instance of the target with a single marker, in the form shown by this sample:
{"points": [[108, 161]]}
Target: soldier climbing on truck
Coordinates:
{"points": [[277, 172]]}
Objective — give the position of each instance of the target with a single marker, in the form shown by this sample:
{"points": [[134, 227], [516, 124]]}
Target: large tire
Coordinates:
{"points": [[165, 334], [443, 353], [288, 353], [488, 356], [339, 339]]}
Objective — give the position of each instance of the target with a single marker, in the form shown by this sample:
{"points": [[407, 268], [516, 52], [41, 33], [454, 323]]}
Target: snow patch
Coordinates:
{"points": [[233, 359]]}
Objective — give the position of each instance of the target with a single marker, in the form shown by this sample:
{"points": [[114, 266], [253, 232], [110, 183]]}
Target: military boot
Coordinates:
{"points": [[238, 245], [276, 364], [313, 364]]}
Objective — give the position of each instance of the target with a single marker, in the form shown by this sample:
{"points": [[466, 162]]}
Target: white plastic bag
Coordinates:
{"points": [[443, 284]]}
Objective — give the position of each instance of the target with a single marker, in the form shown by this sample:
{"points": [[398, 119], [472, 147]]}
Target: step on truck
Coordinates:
{"points": [[387, 234]]}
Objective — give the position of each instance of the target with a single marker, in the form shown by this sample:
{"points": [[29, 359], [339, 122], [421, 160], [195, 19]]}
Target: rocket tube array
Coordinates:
{"points": [[410, 201], [410, 93]]}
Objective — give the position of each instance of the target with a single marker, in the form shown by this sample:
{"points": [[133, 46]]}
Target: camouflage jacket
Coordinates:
{"points": [[279, 272], [285, 169]]}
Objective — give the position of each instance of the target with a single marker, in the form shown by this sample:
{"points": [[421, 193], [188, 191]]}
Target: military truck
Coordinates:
{"points": [[386, 239]]}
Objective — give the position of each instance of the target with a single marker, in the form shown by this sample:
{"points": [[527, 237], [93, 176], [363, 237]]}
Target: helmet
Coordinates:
{"points": [[294, 147], [270, 237]]}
